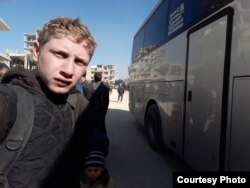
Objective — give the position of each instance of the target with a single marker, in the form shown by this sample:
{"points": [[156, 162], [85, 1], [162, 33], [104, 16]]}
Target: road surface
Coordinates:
{"points": [[131, 162]]}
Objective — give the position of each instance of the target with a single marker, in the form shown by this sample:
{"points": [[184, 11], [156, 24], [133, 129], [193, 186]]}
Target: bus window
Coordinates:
{"points": [[155, 31], [138, 45]]}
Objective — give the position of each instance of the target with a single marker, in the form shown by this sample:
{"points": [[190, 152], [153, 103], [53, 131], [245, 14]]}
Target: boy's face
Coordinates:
{"points": [[93, 172], [61, 63]]}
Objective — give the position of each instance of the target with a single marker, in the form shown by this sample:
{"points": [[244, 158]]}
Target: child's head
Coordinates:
{"points": [[63, 51], [94, 165]]}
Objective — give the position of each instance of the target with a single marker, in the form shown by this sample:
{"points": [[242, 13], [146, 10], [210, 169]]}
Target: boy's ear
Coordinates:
{"points": [[35, 51]]}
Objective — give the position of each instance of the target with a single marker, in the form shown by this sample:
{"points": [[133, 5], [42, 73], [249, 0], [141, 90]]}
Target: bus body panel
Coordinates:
{"points": [[237, 147], [199, 131], [164, 85], [136, 102], [204, 105], [240, 129], [169, 98]]}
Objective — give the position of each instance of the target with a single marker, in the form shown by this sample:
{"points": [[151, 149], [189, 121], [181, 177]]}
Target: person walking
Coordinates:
{"points": [[120, 91], [63, 119], [102, 92]]}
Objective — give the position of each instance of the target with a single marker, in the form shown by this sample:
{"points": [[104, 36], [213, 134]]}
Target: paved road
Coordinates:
{"points": [[131, 162]]}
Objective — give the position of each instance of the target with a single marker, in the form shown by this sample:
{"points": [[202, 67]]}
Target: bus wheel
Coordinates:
{"points": [[153, 127]]}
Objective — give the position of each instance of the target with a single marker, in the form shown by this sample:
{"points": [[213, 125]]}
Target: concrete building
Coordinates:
{"points": [[29, 39], [16, 58], [3, 57], [24, 59], [109, 73]]}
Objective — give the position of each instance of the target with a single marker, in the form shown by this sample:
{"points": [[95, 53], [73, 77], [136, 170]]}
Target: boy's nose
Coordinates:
{"points": [[67, 68]]}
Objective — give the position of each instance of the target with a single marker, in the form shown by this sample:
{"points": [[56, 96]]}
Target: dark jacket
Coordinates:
{"points": [[102, 91], [59, 137], [87, 89], [120, 90], [100, 99]]}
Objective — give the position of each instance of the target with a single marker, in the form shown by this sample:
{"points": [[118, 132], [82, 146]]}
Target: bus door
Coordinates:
{"points": [[207, 80]]}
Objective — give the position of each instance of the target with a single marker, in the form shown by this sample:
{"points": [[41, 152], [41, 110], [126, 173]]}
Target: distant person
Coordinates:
{"points": [[87, 89], [120, 91], [95, 175], [3, 69], [84, 87], [101, 91]]}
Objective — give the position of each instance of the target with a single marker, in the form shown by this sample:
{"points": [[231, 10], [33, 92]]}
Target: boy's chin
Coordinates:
{"points": [[93, 179], [60, 90]]}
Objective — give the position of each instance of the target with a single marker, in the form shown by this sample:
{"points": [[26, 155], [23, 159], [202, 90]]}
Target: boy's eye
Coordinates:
{"points": [[59, 54], [79, 61], [93, 170]]}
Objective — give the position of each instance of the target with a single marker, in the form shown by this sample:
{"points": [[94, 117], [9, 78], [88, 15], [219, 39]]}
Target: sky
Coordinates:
{"points": [[113, 24]]}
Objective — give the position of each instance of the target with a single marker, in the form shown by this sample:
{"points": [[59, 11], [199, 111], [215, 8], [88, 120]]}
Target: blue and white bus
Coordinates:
{"points": [[190, 81]]}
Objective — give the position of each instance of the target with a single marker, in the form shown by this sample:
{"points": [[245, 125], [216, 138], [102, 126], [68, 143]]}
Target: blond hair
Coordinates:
{"points": [[63, 27]]}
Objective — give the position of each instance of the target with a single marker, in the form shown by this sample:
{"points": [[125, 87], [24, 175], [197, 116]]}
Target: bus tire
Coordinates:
{"points": [[153, 127]]}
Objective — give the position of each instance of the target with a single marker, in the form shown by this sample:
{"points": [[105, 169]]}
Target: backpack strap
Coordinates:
{"points": [[14, 143]]}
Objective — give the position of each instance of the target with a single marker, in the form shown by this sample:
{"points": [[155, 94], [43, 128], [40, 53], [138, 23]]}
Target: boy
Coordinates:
{"points": [[63, 51], [95, 174]]}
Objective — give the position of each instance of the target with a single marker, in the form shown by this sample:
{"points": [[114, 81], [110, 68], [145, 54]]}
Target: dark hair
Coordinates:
{"points": [[98, 76]]}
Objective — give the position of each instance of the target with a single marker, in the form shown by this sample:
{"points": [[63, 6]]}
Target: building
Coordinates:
{"points": [[16, 58], [4, 58], [109, 73], [29, 39]]}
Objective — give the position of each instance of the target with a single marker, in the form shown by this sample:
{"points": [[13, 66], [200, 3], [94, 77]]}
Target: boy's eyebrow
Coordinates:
{"points": [[79, 59], [66, 54], [57, 50]]}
